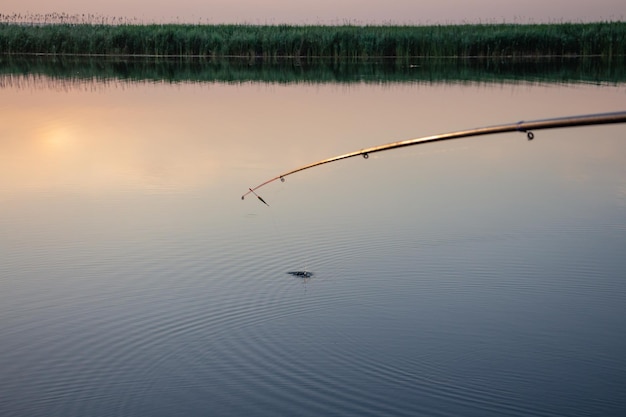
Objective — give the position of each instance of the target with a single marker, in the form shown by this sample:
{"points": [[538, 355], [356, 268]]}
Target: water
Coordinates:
{"points": [[476, 277]]}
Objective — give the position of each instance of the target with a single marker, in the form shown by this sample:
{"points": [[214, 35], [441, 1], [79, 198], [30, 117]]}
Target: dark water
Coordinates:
{"points": [[476, 278]]}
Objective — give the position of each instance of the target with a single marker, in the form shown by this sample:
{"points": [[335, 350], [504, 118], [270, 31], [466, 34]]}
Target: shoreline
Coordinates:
{"points": [[294, 58]]}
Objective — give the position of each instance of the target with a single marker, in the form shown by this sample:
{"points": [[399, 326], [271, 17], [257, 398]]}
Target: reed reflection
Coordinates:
{"points": [[286, 71]]}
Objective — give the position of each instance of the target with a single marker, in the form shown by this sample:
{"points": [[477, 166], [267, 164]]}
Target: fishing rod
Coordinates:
{"points": [[522, 126]]}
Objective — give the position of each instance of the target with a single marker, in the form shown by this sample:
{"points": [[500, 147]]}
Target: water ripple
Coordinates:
{"points": [[392, 323]]}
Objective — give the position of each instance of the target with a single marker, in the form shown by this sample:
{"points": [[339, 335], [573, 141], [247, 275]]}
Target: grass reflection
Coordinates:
{"points": [[484, 70]]}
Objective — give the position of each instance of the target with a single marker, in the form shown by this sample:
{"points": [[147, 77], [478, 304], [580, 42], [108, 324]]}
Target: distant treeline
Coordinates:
{"points": [[79, 69], [607, 39]]}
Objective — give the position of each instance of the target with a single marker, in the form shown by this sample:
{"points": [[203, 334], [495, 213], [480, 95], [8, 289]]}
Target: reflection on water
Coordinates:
{"points": [[594, 70], [480, 277]]}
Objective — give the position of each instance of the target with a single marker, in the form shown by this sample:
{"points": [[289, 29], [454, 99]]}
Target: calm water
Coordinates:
{"points": [[481, 277]]}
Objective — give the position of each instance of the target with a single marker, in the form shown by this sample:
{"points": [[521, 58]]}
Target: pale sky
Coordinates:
{"points": [[333, 11]]}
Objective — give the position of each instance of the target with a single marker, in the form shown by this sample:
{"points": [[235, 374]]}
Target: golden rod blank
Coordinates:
{"points": [[527, 127]]}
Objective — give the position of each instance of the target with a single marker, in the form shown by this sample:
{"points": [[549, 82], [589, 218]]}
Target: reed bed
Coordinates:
{"points": [[607, 39]]}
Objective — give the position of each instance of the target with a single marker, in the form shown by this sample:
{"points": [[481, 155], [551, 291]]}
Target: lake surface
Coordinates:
{"points": [[479, 277]]}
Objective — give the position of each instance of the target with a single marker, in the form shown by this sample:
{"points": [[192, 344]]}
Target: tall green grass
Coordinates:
{"points": [[494, 40]]}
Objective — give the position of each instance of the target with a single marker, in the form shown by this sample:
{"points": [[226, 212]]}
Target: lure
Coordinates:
{"points": [[257, 196]]}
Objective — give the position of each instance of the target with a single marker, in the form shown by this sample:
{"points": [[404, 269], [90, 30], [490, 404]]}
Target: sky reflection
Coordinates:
{"points": [[169, 138]]}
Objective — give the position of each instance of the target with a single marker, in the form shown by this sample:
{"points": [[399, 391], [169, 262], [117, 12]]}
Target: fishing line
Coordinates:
{"points": [[526, 127], [288, 249]]}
